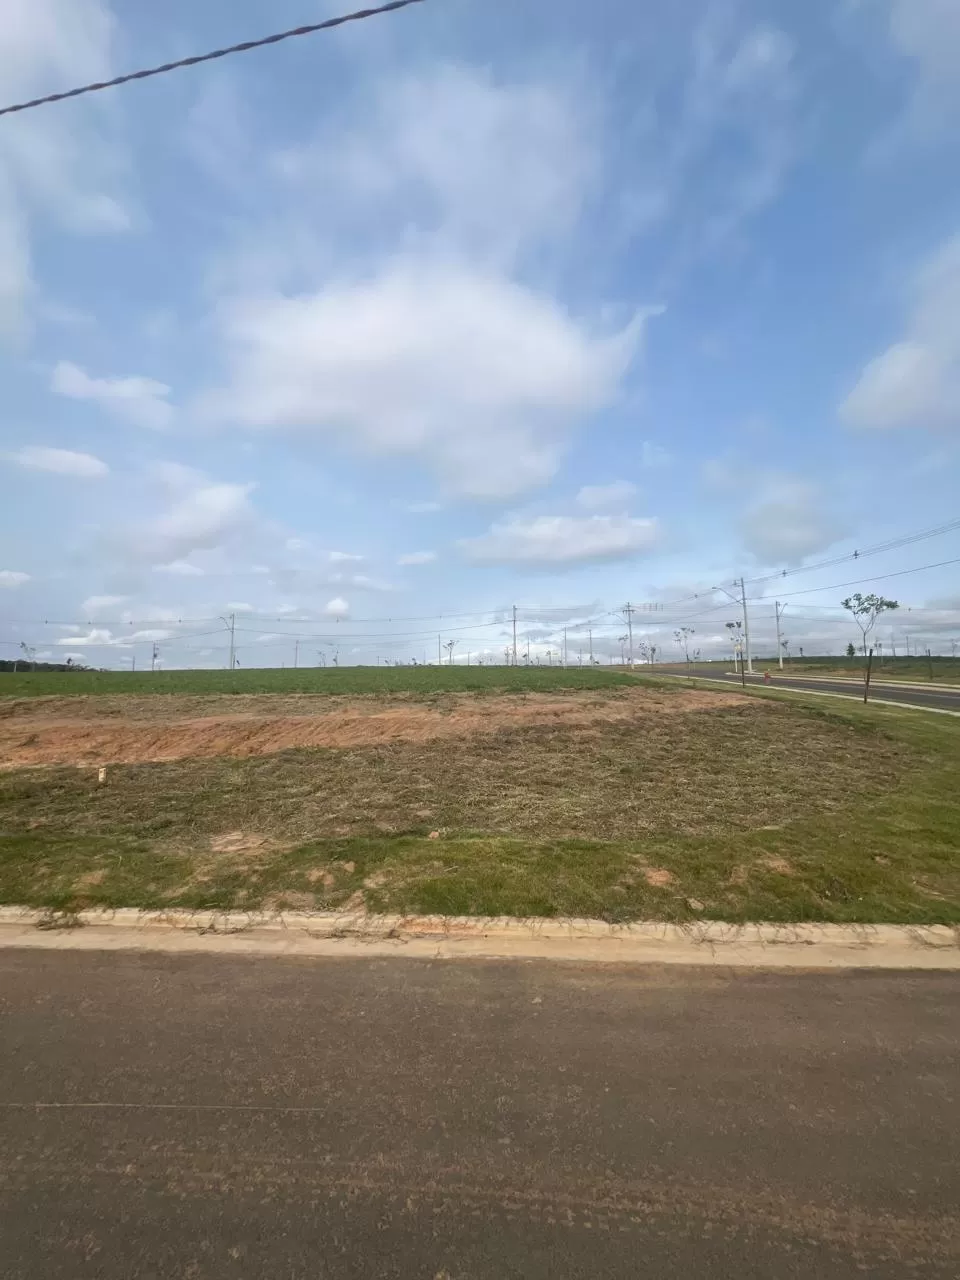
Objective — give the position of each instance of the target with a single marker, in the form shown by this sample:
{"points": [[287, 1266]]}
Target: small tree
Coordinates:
{"points": [[851, 650], [736, 635], [866, 610], [682, 638]]}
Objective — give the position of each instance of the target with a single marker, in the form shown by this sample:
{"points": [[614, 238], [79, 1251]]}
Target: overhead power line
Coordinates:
{"points": [[243, 47], [890, 545], [880, 577], [859, 554]]}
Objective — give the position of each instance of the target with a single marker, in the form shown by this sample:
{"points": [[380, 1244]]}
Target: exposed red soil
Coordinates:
{"points": [[94, 731]]}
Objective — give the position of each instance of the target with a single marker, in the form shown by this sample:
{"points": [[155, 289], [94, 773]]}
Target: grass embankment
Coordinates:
{"points": [[936, 670], [738, 809]]}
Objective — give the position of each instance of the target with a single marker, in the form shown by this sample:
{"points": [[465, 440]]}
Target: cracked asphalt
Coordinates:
{"points": [[226, 1117]]}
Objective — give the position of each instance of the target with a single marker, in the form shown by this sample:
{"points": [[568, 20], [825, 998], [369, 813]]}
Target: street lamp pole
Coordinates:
{"points": [[779, 611], [741, 600]]}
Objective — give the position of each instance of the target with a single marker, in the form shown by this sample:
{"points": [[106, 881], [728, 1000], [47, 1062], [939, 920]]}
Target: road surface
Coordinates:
{"points": [[235, 1118], [942, 699]]}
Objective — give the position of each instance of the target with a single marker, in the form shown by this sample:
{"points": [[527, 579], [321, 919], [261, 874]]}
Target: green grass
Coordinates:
{"points": [[938, 670], [323, 680], [779, 809]]}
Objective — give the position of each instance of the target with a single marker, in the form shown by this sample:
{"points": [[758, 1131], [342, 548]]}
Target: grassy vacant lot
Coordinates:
{"points": [[324, 680], [620, 800]]}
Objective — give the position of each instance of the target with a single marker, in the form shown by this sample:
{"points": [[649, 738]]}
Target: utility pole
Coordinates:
{"points": [[590, 638], [741, 600], [776, 605], [746, 626], [628, 610], [439, 652], [231, 625], [564, 646], [153, 656], [514, 635], [296, 655]]}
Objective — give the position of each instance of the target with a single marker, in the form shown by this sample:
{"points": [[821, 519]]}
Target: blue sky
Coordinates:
{"points": [[470, 305]]}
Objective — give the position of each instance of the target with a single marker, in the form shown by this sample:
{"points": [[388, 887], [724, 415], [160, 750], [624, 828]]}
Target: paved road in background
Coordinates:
{"points": [[942, 699], [236, 1118]]}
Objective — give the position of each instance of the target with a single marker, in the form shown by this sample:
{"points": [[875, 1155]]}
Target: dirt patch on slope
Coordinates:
{"points": [[61, 732]]}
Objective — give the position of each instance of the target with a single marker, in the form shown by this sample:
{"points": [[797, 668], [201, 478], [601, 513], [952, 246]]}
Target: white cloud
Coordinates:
{"points": [[916, 381], [337, 607], [239, 606], [735, 96], [653, 456], [417, 557], [150, 633], [180, 568], [359, 581], [63, 462], [97, 604], [102, 637], [563, 540], [142, 401], [63, 166], [927, 32], [11, 578], [426, 345], [477, 166], [472, 373], [95, 636], [15, 275], [788, 522], [601, 497], [200, 519], [342, 557], [175, 477]]}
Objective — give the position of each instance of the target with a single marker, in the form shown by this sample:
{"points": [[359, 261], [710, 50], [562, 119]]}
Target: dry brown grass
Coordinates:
{"points": [[636, 803], [609, 772], [107, 730]]}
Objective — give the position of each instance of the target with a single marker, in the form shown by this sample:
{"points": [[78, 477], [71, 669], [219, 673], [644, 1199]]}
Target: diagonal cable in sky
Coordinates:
{"points": [[244, 47]]}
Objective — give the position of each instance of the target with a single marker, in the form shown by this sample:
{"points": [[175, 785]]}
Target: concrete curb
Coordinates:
{"points": [[712, 943], [818, 693], [911, 686]]}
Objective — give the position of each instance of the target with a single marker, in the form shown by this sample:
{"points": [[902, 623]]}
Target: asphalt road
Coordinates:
{"points": [[237, 1118], [944, 700]]}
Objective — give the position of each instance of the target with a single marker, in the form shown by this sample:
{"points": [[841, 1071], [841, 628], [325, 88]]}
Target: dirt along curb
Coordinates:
{"points": [[763, 946]]}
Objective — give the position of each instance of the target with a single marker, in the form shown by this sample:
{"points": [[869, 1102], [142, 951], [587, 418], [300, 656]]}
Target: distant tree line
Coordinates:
{"points": [[24, 664]]}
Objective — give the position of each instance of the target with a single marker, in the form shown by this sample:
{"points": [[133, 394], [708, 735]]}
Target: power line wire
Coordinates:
{"points": [[890, 545], [875, 549], [243, 47], [880, 577]]}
